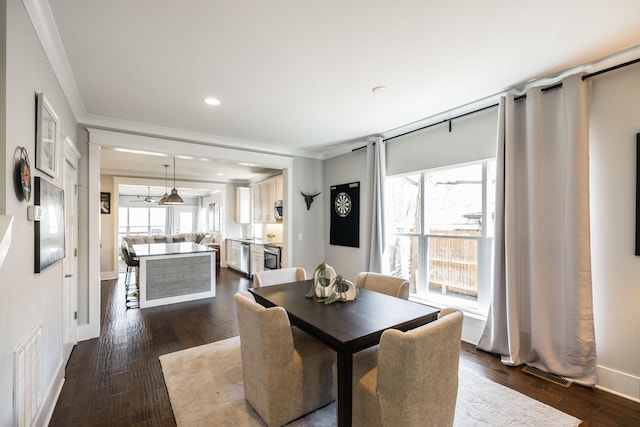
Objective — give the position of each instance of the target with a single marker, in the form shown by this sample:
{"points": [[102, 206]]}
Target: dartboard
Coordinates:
{"points": [[342, 204]]}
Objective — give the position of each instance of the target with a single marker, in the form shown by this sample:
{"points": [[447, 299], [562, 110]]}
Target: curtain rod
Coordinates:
{"points": [[517, 98], [432, 124]]}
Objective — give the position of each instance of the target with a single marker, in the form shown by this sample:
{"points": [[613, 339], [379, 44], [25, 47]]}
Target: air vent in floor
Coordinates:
{"points": [[556, 379]]}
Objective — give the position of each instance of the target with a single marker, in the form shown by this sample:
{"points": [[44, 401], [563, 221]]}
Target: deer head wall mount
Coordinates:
{"points": [[308, 198]]}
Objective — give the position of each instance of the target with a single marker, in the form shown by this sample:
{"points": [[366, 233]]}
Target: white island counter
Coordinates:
{"points": [[175, 272]]}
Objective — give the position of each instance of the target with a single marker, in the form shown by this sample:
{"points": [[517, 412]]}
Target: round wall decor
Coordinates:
{"points": [[342, 204], [22, 176]]}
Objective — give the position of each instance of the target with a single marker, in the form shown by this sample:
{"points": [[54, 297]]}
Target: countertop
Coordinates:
{"points": [[256, 241], [151, 249]]}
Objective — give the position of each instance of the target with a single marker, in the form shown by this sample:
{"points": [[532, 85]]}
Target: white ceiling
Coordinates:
{"points": [[295, 76]]}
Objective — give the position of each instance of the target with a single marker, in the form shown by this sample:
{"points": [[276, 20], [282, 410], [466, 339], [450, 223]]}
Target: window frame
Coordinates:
{"points": [[128, 231], [485, 240]]}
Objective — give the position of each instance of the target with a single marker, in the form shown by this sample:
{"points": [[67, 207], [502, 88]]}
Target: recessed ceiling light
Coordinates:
{"points": [[220, 174], [211, 101], [378, 90]]}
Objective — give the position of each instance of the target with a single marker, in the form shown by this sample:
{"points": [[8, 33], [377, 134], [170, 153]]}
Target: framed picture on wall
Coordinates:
{"points": [[105, 203], [47, 137], [49, 230]]}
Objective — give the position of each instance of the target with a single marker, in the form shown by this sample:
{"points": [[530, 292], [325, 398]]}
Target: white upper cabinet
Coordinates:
{"points": [[243, 205], [265, 194]]}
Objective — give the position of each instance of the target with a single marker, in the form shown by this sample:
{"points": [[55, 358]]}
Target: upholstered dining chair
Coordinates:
{"points": [[281, 275], [286, 372], [394, 286], [414, 378]]}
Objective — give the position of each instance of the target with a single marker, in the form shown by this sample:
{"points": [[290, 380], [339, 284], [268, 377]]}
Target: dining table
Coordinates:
{"points": [[345, 327]]}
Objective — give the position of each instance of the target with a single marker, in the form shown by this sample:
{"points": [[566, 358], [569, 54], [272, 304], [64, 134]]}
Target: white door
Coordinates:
{"points": [[70, 263], [184, 219]]}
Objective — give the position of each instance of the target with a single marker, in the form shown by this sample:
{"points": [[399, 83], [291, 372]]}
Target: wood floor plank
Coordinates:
{"points": [[116, 380]]}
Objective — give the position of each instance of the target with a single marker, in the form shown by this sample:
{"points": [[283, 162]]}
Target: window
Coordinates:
{"points": [[439, 226], [184, 219], [141, 221]]}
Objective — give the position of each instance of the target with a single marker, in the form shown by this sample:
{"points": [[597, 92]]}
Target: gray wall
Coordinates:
{"points": [[28, 299], [614, 123], [108, 228], [308, 178], [344, 169]]}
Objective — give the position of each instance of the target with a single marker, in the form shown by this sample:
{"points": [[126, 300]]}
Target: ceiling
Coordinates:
{"points": [[295, 77]]}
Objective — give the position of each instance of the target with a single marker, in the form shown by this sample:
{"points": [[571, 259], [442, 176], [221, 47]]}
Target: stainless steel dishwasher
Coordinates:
{"points": [[244, 258]]}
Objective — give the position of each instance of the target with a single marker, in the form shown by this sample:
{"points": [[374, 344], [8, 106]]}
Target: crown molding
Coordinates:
{"points": [[46, 29]]}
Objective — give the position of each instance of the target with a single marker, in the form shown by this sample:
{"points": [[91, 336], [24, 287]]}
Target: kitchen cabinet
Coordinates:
{"points": [[257, 258], [243, 205], [257, 203], [233, 254], [238, 255], [265, 194]]}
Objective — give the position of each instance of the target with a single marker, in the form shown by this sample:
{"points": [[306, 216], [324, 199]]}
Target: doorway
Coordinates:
{"points": [[70, 262]]}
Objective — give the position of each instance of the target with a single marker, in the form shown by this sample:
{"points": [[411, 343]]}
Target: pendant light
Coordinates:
{"points": [[163, 201], [174, 198]]}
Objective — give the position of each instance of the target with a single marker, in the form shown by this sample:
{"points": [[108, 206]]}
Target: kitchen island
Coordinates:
{"points": [[175, 272]]}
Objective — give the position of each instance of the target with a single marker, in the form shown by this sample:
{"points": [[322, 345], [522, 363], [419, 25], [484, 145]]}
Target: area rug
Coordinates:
{"points": [[205, 389]]}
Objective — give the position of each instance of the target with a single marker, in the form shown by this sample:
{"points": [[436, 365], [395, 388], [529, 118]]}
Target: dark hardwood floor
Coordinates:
{"points": [[116, 380]]}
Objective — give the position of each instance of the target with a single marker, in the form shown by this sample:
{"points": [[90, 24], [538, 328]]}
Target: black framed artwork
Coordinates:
{"points": [[345, 215], [105, 203], [49, 230]]}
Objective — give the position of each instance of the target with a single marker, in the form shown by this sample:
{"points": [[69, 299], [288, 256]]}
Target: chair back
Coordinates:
{"points": [[394, 286], [418, 373], [276, 277], [266, 344], [127, 258]]}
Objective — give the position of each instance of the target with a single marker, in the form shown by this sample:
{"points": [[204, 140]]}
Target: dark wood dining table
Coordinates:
{"points": [[345, 327]]}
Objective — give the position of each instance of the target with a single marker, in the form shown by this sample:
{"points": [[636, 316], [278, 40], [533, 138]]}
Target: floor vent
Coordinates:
{"points": [[556, 379], [26, 380]]}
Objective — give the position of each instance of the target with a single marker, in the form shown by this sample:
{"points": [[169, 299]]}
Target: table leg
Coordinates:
{"points": [[344, 398]]}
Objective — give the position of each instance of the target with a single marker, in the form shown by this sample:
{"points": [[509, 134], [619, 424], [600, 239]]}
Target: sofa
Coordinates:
{"points": [[211, 240], [201, 238]]}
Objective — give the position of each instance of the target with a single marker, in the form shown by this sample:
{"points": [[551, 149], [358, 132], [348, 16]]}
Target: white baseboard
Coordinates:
{"points": [[619, 383], [610, 380], [87, 332], [472, 328], [50, 398]]}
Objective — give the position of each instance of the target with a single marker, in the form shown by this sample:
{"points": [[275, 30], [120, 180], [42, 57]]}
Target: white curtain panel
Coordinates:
{"points": [[542, 310], [376, 166], [168, 220]]}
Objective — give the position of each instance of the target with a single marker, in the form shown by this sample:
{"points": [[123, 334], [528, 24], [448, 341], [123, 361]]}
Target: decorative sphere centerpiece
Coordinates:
{"points": [[323, 278], [343, 290]]}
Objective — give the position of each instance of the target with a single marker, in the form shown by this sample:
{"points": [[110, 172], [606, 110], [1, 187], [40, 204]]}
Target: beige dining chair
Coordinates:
{"points": [[276, 277], [394, 286], [286, 372], [414, 379]]}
